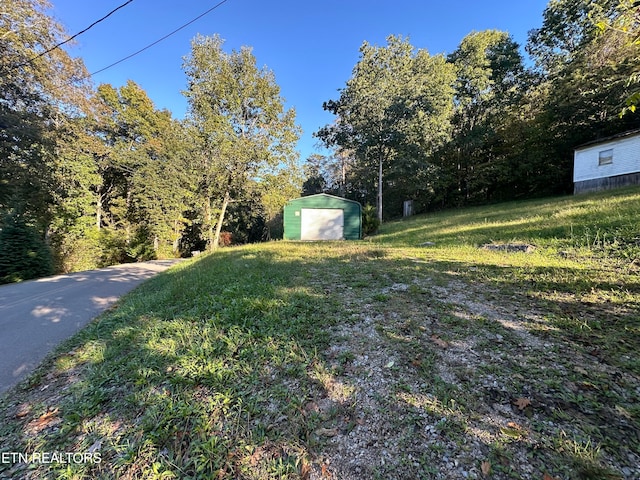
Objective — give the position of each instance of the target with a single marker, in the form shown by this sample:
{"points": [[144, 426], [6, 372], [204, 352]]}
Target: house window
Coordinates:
{"points": [[605, 157]]}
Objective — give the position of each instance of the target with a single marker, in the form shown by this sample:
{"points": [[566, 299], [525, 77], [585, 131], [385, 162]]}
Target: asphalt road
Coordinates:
{"points": [[37, 315]]}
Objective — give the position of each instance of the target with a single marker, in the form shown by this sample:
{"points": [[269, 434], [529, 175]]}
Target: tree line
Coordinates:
{"points": [[481, 124], [91, 176], [95, 176]]}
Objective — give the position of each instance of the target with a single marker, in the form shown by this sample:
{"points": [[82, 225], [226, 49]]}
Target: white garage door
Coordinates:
{"points": [[321, 224]]}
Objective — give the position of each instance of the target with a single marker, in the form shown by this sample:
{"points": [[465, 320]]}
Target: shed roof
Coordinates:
{"points": [[629, 133], [324, 195]]}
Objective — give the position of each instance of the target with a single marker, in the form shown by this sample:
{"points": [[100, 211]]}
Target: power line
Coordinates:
{"points": [[74, 36], [156, 42]]}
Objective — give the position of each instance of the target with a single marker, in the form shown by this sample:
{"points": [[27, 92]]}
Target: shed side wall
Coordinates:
{"points": [[626, 159]]}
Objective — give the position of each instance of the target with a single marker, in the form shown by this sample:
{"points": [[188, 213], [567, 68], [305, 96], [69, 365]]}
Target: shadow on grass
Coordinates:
{"points": [[215, 369]]}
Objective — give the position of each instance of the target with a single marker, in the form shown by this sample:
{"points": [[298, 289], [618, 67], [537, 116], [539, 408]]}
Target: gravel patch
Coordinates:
{"points": [[490, 404]]}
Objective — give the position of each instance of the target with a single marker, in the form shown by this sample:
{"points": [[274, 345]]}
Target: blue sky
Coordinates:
{"points": [[311, 46]]}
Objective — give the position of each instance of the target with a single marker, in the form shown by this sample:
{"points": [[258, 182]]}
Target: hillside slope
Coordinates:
{"points": [[384, 358], [605, 219]]}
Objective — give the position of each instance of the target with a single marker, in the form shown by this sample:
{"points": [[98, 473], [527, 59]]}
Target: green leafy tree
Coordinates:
{"points": [[396, 106], [275, 189], [316, 175], [42, 102], [488, 89], [72, 232], [144, 186], [567, 27], [328, 173], [39, 95], [23, 253], [621, 32], [239, 123]]}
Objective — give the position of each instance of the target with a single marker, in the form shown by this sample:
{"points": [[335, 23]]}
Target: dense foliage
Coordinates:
{"points": [[91, 176], [95, 176], [506, 130]]}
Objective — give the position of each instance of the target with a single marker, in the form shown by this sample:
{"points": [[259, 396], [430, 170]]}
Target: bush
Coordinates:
{"points": [[370, 222], [226, 239], [113, 248], [23, 252], [140, 248], [76, 252]]}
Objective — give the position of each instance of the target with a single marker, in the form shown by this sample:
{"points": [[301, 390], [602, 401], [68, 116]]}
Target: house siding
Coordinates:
{"points": [[589, 175], [352, 215]]}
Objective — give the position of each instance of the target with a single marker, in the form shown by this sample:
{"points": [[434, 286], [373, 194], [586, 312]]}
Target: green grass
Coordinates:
{"points": [[250, 363], [604, 221]]}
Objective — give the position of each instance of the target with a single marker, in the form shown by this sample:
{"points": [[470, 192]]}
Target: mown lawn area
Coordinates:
{"points": [[385, 358]]}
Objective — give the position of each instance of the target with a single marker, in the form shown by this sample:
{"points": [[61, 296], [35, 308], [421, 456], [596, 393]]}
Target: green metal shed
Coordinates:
{"points": [[322, 217]]}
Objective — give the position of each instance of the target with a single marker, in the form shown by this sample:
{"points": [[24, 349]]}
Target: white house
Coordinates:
{"points": [[608, 163]]}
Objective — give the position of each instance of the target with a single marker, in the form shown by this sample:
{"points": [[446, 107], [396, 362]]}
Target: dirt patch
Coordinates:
{"points": [[450, 383]]}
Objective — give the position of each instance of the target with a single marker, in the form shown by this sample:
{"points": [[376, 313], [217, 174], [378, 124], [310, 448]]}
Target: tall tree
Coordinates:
{"points": [[396, 104], [144, 185], [240, 123], [488, 88], [39, 94], [72, 232], [622, 32], [315, 171], [567, 27], [276, 188]]}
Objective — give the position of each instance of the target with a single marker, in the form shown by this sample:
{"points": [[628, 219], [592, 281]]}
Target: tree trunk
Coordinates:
{"points": [[225, 203], [176, 237], [99, 212], [209, 217], [380, 189]]}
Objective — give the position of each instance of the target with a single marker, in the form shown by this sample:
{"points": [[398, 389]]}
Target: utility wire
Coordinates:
{"points": [[76, 35], [156, 42]]}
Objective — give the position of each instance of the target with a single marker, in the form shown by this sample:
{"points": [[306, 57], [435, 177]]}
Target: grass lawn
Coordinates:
{"points": [[383, 358]]}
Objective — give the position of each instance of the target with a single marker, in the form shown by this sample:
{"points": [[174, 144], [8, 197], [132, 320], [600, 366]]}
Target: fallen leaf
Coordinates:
{"points": [[311, 407], [390, 364], [46, 418], [325, 471], [587, 386], [438, 341], [305, 470], [546, 476], [485, 467], [522, 403], [23, 410], [256, 457]]}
